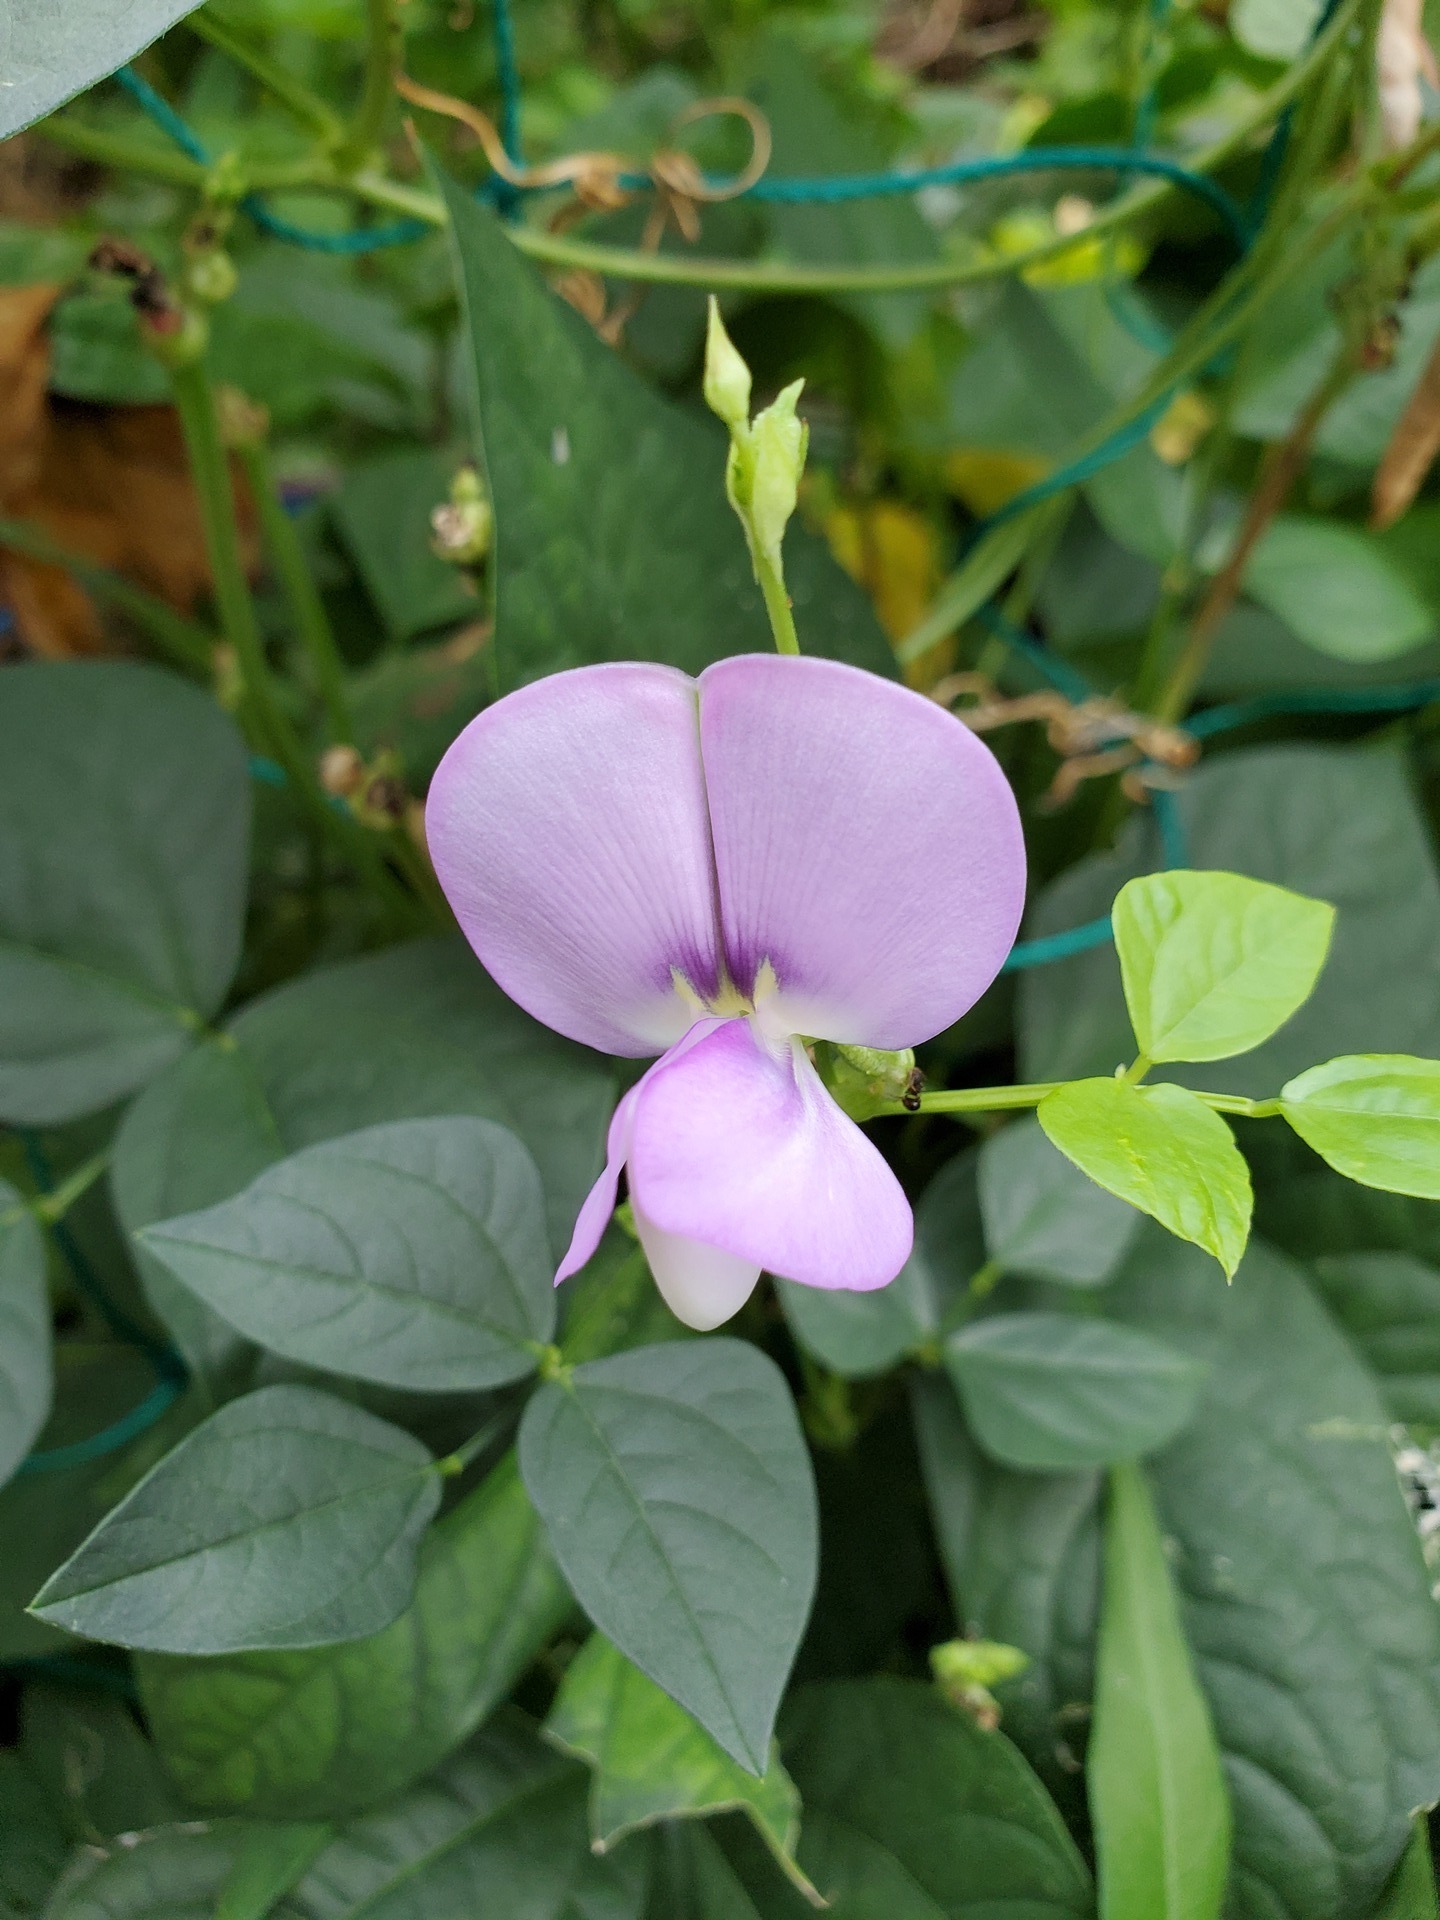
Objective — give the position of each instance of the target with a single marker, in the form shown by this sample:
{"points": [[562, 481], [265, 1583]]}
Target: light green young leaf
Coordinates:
{"points": [[411, 1254], [1275, 29], [319, 1734], [1158, 1799], [1213, 963], [1043, 1218], [1164, 1151], [269, 1857], [678, 1497], [288, 1519], [653, 1762], [1055, 1391], [26, 1378], [1375, 1117], [1412, 1894], [124, 828]]}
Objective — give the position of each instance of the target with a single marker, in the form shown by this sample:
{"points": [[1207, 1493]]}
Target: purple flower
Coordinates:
{"points": [[786, 849]]}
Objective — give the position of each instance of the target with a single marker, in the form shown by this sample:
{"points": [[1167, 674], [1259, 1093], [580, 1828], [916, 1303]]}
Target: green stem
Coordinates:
{"points": [[777, 605], [463, 1456], [187, 643], [210, 470], [382, 63], [312, 623], [118, 150], [985, 1279], [980, 1099], [54, 1205], [307, 107], [1006, 1099], [1137, 1070]]}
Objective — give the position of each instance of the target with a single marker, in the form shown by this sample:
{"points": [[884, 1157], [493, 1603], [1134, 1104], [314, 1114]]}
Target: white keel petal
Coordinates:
{"points": [[703, 1286]]}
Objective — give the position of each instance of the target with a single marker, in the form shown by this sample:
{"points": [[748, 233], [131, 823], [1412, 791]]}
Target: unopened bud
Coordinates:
{"points": [[779, 440], [243, 422], [342, 771], [211, 277], [965, 1671], [727, 378], [461, 528]]}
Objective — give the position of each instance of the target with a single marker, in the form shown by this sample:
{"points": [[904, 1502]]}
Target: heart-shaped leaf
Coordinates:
{"points": [[677, 1493], [321, 1733], [124, 829], [1044, 1219], [25, 1363], [1051, 1391], [1164, 1151], [1213, 963], [1375, 1117], [288, 1519], [411, 1254]]}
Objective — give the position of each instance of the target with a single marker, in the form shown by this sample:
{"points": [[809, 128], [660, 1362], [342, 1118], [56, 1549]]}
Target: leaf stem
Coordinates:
{"points": [[210, 469], [777, 605], [307, 107], [312, 623], [53, 1206], [382, 63]]}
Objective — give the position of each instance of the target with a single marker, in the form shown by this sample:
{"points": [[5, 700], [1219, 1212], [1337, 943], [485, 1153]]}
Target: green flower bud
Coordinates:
{"points": [[778, 441], [461, 529], [727, 378]]}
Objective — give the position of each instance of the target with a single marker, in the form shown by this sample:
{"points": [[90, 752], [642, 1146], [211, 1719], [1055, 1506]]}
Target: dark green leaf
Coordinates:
{"points": [[36, 1843], [1050, 1391], [288, 1519], [912, 1812], [268, 1860], [25, 1365], [45, 60], [1213, 963], [677, 1494], [1043, 1217], [96, 353], [1338, 824], [860, 1334], [817, 132], [652, 1762], [382, 513], [1336, 587], [599, 557], [500, 1828], [1021, 1553], [85, 1748], [415, 1031], [168, 1873], [124, 820], [1306, 1600], [320, 1734], [411, 1254], [1373, 1117], [1157, 1794], [1164, 1151], [1389, 1304], [1304, 1596]]}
